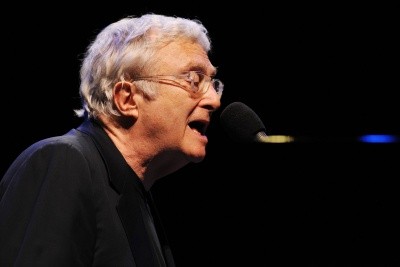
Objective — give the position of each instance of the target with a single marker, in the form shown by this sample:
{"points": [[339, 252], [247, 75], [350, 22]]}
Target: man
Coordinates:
{"points": [[83, 199]]}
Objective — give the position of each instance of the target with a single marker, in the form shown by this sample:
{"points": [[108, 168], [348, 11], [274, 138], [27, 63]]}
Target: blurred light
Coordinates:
{"points": [[279, 139], [378, 138]]}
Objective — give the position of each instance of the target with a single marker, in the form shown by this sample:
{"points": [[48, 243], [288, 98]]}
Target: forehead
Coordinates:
{"points": [[184, 55]]}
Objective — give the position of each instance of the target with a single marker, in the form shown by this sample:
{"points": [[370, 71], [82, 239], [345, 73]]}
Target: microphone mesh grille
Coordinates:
{"points": [[241, 123]]}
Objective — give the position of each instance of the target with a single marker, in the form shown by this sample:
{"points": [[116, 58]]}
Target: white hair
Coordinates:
{"points": [[122, 49]]}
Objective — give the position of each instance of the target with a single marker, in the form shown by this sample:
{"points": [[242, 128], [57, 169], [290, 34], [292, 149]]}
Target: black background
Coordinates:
{"points": [[325, 72]]}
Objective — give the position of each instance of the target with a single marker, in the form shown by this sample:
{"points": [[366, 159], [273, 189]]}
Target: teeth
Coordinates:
{"points": [[195, 130]]}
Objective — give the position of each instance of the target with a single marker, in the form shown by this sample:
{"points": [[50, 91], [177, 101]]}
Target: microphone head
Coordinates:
{"points": [[241, 123]]}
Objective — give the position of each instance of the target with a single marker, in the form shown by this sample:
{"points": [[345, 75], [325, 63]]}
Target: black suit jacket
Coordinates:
{"points": [[72, 200]]}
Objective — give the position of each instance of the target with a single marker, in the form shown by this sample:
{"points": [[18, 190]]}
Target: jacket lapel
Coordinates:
{"points": [[133, 213], [132, 207]]}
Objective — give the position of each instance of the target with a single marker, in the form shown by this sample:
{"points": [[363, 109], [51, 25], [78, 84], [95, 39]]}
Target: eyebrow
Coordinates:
{"points": [[199, 67]]}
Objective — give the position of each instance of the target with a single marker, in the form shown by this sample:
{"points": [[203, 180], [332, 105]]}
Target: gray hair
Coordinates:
{"points": [[122, 50]]}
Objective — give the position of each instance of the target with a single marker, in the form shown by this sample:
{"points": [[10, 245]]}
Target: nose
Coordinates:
{"points": [[211, 98]]}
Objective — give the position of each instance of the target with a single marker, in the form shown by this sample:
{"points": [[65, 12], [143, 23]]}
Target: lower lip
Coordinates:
{"points": [[200, 136]]}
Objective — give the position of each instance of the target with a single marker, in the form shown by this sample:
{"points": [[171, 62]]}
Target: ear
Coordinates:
{"points": [[123, 98]]}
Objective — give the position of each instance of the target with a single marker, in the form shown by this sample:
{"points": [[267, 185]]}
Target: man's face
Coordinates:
{"points": [[176, 120]]}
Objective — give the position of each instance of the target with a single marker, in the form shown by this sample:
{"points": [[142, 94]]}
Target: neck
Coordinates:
{"points": [[142, 154]]}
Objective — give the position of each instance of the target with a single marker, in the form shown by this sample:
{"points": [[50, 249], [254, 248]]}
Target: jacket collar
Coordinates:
{"points": [[118, 169], [132, 198]]}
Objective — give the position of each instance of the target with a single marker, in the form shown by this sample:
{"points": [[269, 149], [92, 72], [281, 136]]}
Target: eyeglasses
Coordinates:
{"points": [[196, 83]]}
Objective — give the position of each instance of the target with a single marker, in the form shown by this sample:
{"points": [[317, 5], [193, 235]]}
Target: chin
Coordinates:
{"points": [[194, 152], [197, 157]]}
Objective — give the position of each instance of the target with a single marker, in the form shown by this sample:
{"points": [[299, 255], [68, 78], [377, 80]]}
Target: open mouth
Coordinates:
{"points": [[199, 126]]}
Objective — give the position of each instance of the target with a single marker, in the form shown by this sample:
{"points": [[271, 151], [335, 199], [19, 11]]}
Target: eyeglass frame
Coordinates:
{"points": [[187, 77]]}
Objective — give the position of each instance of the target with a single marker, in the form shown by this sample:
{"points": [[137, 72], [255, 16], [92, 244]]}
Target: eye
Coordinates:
{"points": [[194, 78]]}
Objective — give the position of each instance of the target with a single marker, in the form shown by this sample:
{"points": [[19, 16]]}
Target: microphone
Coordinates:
{"points": [[242, 124]]}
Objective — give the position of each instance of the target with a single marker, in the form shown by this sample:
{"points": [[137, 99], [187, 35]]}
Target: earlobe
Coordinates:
{"points": [[123, 98]]}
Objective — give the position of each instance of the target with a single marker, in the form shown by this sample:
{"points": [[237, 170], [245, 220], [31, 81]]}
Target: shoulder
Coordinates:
{"points": [[73, 144], [72, 153]]}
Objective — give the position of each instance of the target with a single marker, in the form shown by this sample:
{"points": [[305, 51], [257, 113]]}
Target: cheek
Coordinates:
{"points": [[175, 122], [172, 110], [169, 120]]}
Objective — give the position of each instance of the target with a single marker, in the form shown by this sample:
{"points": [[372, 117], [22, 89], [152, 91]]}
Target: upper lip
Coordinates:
{"points": [[200, 125]]}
